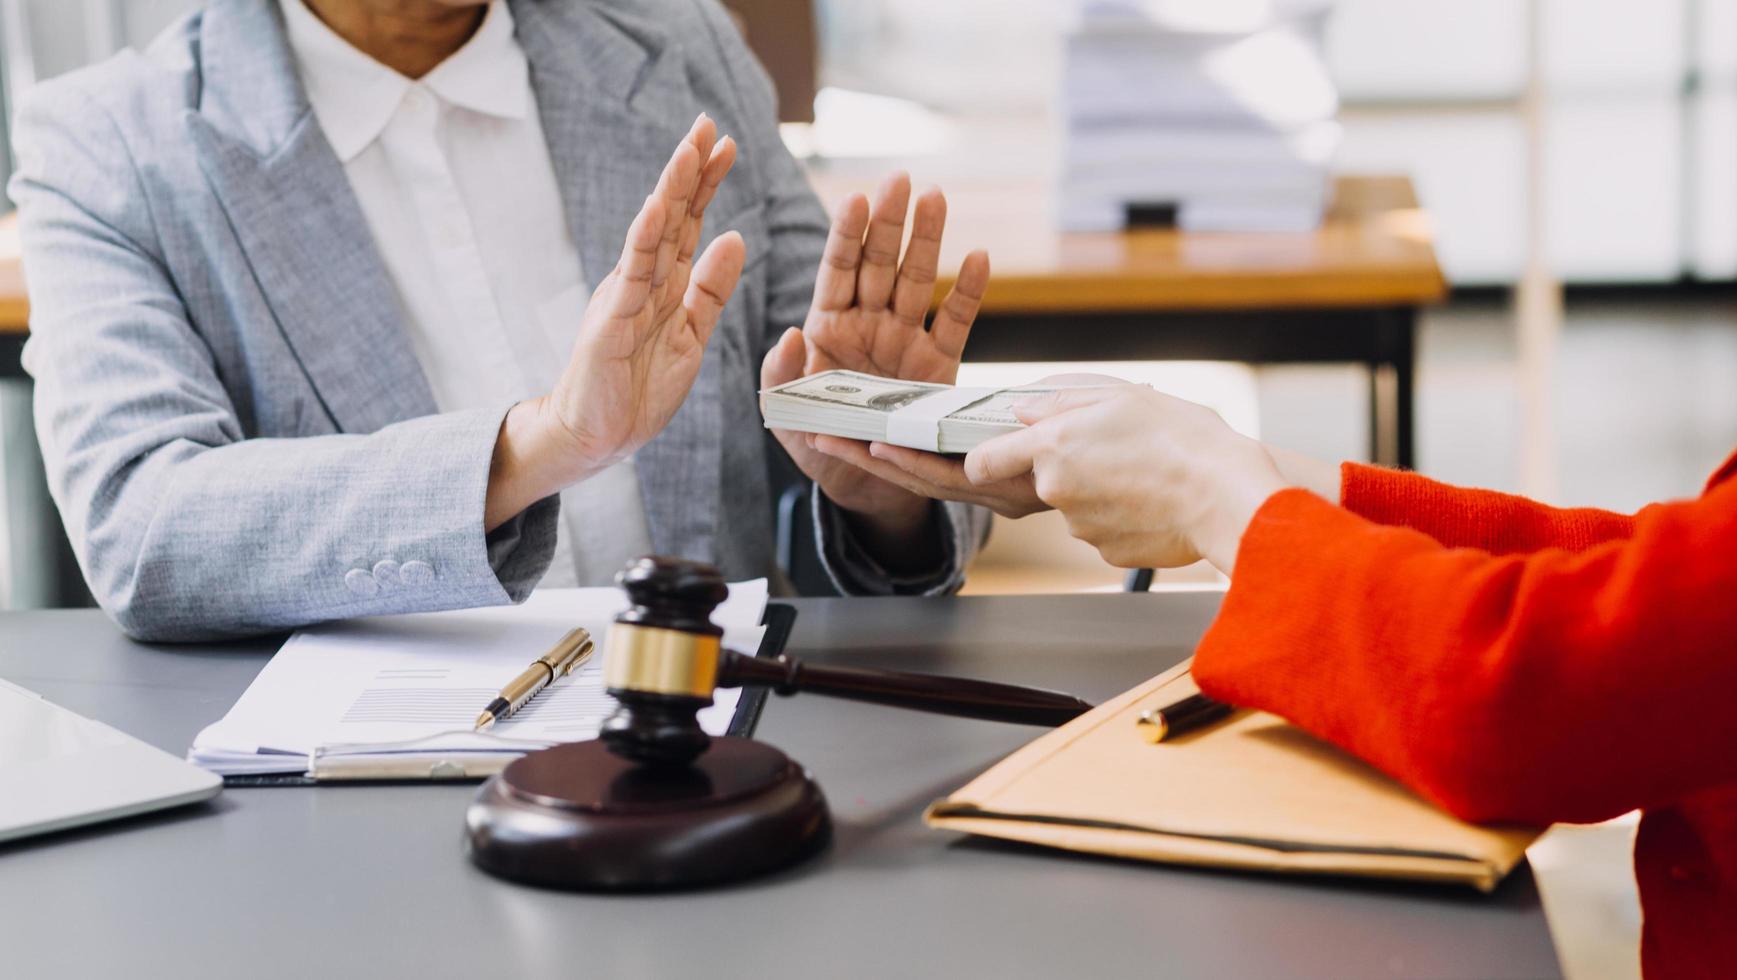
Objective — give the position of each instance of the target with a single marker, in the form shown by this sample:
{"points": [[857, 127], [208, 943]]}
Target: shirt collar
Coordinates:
{"points": [[355, 97], [489, 74]]}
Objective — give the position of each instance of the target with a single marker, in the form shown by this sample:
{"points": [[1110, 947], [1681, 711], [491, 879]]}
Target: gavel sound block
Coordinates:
{"points": [[657, 803]]}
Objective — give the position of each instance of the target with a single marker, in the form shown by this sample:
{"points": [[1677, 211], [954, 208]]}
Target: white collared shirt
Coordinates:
{"points": [[455, 180]]}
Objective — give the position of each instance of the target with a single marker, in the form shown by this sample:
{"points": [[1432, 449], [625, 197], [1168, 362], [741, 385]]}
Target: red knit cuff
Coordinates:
{"points": [[1458, 517], [1292, 508], [1241, 657], [1394, 497]]}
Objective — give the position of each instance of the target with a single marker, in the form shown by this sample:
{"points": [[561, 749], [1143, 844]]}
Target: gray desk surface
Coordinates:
{"points": [[358, 881]]}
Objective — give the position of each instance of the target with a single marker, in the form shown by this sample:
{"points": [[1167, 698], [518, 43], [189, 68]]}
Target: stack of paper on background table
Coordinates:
{"points": [[1222, 111], [1252, 793], [395, 696]]}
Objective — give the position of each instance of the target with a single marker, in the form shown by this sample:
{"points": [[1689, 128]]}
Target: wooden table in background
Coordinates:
{"points": [[1347, 292], [14, 307]]}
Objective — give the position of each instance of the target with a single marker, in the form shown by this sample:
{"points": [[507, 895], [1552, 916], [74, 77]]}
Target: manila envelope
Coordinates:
{"points": [[1251, 793]]}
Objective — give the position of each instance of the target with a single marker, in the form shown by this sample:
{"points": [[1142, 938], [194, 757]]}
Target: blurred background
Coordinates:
{"points": [[1585, 148], [1590, 144], [1574, 166]]}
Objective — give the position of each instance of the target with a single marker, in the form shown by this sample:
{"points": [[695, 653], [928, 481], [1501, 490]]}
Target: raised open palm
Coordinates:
{"points": [[869, 310], [869, 315], [645, 329]]}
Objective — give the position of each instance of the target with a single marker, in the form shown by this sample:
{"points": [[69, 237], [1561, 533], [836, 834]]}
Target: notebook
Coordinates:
{"points": [[1251, 793], [394, 697]]}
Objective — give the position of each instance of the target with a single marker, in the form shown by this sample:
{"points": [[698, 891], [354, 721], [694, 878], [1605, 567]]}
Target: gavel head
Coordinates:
{"points": [[661, 660]]}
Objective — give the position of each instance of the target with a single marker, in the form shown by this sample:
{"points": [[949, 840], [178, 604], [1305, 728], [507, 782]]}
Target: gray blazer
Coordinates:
{"points": [[237, 432]]}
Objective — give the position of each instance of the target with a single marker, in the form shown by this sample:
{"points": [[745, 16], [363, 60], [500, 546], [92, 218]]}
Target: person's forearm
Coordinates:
{"points": [[1490, 683], [1314, 475], [527, 465], [903, 541], [272, 534], [1224, 493], [1236, 499], [1222, 525]]}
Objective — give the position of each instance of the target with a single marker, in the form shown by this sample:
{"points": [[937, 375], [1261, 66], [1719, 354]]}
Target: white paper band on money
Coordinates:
{"points": [[918, 424]]}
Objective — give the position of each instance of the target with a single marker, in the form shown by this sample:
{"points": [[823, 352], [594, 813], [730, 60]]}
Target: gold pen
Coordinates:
{"points": [[574, 649]]}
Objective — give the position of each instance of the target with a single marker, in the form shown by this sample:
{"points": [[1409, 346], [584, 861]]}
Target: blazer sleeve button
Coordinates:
{"points": [[386, 573], [361, 582], [416, 573]]}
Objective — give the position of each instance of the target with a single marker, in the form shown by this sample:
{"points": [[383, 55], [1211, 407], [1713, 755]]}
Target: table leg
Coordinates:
{"points": [[1392, 390], [12, 355], [1405, 385]]}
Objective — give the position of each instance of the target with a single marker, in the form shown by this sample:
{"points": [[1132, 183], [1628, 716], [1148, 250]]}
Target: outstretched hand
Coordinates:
{"points": [[645, 330], [869, 308], [868, 315], [1148, 479], [943, 477], [641, 342]]}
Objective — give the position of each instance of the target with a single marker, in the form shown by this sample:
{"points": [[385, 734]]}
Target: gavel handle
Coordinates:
{"points": [[960, 696]]}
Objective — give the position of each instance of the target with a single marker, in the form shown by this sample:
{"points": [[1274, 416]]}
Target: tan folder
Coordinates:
{"points": [[1251, 792]]}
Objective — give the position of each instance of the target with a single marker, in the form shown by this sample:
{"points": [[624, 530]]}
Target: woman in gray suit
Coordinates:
{"points": [[350, 308]]}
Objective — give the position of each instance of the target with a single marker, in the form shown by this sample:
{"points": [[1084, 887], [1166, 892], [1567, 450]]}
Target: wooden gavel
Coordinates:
{"points": [[665, 658], [654, 802]]}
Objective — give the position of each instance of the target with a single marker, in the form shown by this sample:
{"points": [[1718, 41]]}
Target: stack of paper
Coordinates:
{"points": [[396, 696], [932, 417], [1220, 111]]}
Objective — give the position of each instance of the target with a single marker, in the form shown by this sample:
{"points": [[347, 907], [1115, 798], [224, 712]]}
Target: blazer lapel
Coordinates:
{"points": [[614, 103], [293, 211]]}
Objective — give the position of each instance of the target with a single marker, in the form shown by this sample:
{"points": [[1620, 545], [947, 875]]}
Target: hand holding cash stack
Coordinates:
{"points": [[936, 418]]}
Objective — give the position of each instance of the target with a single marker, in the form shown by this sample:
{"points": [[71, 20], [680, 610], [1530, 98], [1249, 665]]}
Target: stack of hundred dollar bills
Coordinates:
{"points": [[857, 406]]}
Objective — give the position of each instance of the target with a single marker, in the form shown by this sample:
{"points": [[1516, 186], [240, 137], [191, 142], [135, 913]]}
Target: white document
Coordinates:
{"points": [[405, 690]]}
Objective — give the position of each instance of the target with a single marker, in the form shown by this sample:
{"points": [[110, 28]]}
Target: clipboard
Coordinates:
{"points": [[779, 620]]}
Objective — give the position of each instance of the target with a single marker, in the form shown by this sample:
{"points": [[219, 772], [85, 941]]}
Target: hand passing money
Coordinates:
{"points": [[860, 426], [931, 417]]}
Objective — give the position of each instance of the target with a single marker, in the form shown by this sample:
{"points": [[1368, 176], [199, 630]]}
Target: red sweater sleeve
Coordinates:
{"points": [[1535, 687], [1499, 523]]}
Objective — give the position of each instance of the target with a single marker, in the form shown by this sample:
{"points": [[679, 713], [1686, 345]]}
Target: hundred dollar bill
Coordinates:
{"points": [[859, 406]]}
